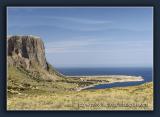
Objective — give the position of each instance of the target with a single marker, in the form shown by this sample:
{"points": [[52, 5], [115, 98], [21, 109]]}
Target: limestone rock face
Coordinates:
{"points": [[26, 51]]}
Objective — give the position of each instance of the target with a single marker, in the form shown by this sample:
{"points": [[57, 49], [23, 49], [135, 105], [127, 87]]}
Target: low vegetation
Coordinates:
{"points": [[30, 92]]}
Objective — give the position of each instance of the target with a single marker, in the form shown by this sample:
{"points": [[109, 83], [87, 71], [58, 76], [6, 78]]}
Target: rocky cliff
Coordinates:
{"points": [[28, 52]]}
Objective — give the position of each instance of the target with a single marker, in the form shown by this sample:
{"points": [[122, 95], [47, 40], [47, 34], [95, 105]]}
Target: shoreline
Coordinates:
{"points": [[100, 76], [106, 79], [90, 86], [106, 76]]}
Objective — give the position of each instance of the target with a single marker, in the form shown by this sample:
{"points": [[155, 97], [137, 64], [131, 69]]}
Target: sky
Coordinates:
{"points": [[88, 37]]}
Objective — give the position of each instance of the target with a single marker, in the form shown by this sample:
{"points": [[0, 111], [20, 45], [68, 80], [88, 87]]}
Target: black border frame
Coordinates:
{"points": [[81, 7], [156, 63]]}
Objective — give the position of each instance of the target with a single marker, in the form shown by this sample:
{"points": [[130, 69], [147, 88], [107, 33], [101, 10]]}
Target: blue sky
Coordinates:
{"points": [[89, 37]]}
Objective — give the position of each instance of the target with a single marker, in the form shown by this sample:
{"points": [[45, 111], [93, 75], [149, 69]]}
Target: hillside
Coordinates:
{"points": [[33, 84]]}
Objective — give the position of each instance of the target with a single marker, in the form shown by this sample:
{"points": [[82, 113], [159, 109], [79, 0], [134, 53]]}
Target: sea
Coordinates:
{"points": [[146, 73]]}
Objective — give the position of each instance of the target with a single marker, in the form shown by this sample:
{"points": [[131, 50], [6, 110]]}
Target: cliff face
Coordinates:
{"points": [[26, 51], [28, 54]]}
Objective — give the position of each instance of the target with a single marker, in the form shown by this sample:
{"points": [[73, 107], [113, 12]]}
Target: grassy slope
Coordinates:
{"points": [[26, 93]]}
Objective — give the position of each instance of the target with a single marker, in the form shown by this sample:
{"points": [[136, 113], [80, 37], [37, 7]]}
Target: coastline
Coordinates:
{"points": [[106, 79], [90, 86], [69, 93]]}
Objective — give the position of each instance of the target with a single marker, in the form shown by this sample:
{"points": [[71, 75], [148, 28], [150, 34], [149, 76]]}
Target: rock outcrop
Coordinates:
{"points": [[26, 51]]}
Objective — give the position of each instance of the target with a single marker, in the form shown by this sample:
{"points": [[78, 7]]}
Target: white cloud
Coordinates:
{"points": [[68, 46], [90, 44], [70, 23], [82, 20]]}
